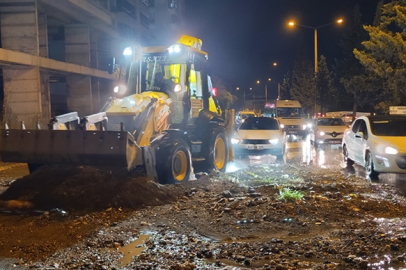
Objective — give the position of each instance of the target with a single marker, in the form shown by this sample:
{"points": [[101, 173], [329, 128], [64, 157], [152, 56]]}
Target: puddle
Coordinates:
{"points": [[135, 248]]}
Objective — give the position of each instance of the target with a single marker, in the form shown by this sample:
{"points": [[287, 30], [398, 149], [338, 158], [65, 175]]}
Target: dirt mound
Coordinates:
{"points": [[87, 188]]}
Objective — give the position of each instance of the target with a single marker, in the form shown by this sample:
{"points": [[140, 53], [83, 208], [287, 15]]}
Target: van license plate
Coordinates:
{"points": [[255, 147]]}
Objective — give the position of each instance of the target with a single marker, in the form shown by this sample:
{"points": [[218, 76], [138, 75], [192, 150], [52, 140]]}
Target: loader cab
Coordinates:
{"points": [[185, 81]]}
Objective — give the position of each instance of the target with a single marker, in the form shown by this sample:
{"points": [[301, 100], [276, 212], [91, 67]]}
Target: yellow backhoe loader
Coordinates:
{"points": [[164, 117]]}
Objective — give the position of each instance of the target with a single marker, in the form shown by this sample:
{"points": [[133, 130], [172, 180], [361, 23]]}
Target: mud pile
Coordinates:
{"points": [[84, 187]]}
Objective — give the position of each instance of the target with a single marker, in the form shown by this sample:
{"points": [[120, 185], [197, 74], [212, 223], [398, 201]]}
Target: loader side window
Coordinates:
{"points": [[195, 84]]}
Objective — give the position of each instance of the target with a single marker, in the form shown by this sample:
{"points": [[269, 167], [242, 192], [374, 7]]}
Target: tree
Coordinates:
{"points": [[225, 98], [286, 86], [324, 84], [303, 84], [351, 74], [384, 54]]}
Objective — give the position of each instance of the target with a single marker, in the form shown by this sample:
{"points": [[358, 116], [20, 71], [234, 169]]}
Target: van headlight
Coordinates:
{"points": [[281, 125], [274, 141], [391, 151], [304, 127], [235, 141], [322, 133]]}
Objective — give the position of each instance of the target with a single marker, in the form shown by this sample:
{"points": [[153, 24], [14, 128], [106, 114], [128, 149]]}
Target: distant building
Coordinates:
{"points": [[54, 54]]}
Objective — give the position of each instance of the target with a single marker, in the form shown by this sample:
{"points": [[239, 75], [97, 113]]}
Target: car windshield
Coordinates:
{"points": [[259, 123], [330, 122], [389, 127], [289, 112]]}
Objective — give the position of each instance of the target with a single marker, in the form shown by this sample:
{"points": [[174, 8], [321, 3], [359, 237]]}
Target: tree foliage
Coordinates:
{"points": [[324, 85], [286, 86], [225, 98], [384, 54], [352, 75], [303, 84]]}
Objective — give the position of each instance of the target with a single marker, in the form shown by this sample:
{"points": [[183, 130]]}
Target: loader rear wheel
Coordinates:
{"points": [[217, 155], [174, 162]]}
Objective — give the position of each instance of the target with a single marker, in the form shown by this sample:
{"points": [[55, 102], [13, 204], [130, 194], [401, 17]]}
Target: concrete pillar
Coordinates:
{"points": [[22, 85], [43, 35], [77, 44], [77, 49], [44, 52], [45, 97], [79, 94]]}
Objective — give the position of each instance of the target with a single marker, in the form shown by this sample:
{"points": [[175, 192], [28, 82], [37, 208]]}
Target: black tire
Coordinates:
{"points": [[216, 150], [173, 162], [32, 167], [347, 160], [369, 166]]}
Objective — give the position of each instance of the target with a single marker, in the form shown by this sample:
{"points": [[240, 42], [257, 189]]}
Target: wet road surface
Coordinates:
{"points": [[302, 152], [299, 152]]}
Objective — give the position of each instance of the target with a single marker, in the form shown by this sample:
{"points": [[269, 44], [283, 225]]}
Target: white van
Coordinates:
{"points": [[290, 116]]}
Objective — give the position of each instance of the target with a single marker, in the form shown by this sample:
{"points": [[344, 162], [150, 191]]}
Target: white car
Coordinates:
{"points": [[378, 143], [259, 135], [327, 130]]}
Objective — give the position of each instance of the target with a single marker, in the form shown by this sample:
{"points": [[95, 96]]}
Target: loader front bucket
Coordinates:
{"points": [[76, 147]]}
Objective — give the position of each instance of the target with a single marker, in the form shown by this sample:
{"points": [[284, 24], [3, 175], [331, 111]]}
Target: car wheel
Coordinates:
{"points": [[369, 166], [347, 160]]}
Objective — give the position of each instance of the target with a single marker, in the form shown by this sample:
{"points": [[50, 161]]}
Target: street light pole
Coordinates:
{"points": [[339, 21], [315, 51]]}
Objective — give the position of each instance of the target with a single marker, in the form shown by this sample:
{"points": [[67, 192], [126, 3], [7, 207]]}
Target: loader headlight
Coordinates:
{"points": [[177, 88], [120, 89], [128, 51], [174, 49]]}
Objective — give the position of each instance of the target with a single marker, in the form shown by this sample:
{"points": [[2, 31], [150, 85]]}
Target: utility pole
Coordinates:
{"points": [[266, 93], [279, 91]]}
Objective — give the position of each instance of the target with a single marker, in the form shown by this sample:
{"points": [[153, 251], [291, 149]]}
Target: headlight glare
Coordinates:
{"points": [[177, 88], [391, 151], [281, 125], [235, 141], [322, 133], [274, 141], [304, 127]]}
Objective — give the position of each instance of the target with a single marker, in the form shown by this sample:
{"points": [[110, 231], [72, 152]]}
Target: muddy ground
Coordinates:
{"points": [[87, 218]]}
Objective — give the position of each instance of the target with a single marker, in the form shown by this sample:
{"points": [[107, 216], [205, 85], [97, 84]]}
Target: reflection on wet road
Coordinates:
{"points": [[302, 152]]}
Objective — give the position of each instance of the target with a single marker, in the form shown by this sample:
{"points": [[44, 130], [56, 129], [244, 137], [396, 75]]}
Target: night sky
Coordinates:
{"points": [[244, 37]]}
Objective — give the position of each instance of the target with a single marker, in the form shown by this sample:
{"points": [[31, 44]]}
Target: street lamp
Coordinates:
{"points": [[339, 21]]}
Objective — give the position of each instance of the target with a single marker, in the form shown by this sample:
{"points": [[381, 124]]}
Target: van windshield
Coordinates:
{"points": [[289, 112]]}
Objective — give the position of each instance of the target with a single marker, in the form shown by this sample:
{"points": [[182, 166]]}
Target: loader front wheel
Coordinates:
{"points": [[174, 162], [217, 155]]}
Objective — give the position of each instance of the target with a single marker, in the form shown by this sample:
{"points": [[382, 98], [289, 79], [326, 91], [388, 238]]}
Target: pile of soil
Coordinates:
{"points": [[81, 187]]}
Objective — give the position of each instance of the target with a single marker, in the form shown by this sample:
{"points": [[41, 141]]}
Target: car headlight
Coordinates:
{"points": [[274, 141], [309, 125], [235, 141], [322, 133], [391, 151], [281, 125], [304, 127]]}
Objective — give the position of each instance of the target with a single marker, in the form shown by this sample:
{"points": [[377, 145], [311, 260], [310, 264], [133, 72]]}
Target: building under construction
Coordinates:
{"points": [[54, 54]]}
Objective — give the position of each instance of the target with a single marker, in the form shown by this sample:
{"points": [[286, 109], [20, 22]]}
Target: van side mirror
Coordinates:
{"points": [[112, 65]]}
